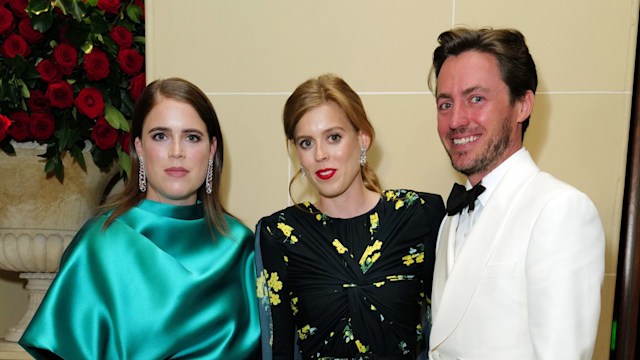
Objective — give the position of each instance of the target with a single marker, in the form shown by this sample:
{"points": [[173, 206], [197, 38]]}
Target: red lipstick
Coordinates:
{"points": [[325, 174]]}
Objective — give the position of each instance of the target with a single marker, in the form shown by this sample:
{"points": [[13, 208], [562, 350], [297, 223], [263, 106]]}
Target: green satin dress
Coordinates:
{"points": [[153, 285]]}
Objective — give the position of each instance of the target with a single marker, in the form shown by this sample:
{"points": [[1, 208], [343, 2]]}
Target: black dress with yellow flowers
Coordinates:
{"points": [[348, 288]]}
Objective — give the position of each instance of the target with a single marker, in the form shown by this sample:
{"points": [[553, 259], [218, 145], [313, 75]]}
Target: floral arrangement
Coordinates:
{"points": [[70, 73]]}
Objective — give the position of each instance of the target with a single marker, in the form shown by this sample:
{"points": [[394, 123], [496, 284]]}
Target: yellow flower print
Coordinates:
{"points": [[414, 256], [274, 282], [374, 219], [286, 258], [373, 308], [338, 245], [347, 334], [361, 348], [286, 229], [377, 245], [274, 298], [390, 195], [370, 255], [306, 331], [294, 303], [260, 282], [319, 217], [399, 204], [407, 260], [400, 277], [379, 283]]}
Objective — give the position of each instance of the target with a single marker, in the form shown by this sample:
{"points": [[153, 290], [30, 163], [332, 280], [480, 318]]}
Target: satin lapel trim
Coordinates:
{"points": [[462, 280]]}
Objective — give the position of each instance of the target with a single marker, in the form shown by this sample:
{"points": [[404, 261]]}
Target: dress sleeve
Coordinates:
{"points": [[432, 214], [276, 319]]}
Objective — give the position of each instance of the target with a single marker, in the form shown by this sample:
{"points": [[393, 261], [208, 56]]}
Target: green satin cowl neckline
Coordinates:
{"points": [[153, 285]]}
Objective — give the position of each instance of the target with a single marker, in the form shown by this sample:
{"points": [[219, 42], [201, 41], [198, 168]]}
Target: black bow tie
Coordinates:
{"points": [[460, 198]]}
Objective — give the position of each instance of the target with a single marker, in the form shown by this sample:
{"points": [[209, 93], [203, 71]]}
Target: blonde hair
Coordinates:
{"points": [[319, 91]]}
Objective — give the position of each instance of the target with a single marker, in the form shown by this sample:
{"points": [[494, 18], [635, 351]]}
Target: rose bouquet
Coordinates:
{"points": [[70, 72]]}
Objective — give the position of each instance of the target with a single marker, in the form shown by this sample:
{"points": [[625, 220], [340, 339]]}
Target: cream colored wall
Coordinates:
{"points": [[249, 55]]}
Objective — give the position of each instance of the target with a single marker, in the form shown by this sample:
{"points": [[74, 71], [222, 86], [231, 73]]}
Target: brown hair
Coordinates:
{"points": [[321, 90], [508, 46], [186, 92]]}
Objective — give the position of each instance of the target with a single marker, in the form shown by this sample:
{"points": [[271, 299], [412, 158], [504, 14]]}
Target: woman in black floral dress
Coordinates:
{"points": [[348, 276]]}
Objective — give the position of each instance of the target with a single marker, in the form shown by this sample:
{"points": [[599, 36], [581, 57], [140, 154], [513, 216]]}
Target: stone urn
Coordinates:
{"points": [[39, 216]]}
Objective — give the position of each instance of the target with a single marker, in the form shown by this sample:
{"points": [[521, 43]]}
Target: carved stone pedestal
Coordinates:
{"points": [[38, 218]]}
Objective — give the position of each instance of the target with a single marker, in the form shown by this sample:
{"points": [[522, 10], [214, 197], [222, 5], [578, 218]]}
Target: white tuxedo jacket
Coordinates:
{"points": [[526, 284]]}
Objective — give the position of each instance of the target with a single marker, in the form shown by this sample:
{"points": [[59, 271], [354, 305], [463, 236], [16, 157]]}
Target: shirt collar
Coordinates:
{"points": [[492, 179]]}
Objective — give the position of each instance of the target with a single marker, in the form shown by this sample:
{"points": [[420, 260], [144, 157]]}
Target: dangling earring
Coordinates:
{"points": [[142, 176], [363, 156], [209, 182], [304, 174]]}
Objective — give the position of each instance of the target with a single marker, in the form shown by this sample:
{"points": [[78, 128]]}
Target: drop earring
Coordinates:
{"points": [[142, 176], [209, 181], [363, 156]]}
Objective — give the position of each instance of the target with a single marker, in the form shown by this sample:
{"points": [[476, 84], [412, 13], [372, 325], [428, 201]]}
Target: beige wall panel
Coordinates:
{"points": [[255, 174], [568, 139], [266, 46], [578, 45]]}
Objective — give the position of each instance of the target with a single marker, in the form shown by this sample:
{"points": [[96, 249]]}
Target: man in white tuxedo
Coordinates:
{"points": [[520, 257]]}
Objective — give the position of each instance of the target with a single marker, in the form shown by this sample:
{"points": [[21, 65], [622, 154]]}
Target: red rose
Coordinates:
{"points": [[15, 45], [60, 94], [42, 126], [48, 71], [103, 134], [18, 7], [122, 36], [130, 61], [4, 126], [38, 102], [96, 64], [19, 129], [66, 57], [6, 21], [138, 83], [109, 6], [90, 102], [62, 33], [125, 140], [25, 28]]}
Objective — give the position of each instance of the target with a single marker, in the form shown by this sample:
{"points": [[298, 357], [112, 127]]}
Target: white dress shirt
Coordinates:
{"points": [[469, 218]]}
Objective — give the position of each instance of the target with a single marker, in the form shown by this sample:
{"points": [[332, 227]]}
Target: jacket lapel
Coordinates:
{"points": [[457, 284]]}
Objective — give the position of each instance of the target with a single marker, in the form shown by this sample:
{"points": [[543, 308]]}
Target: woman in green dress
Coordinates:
{"points": [[348, 276], [165, 272]]}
